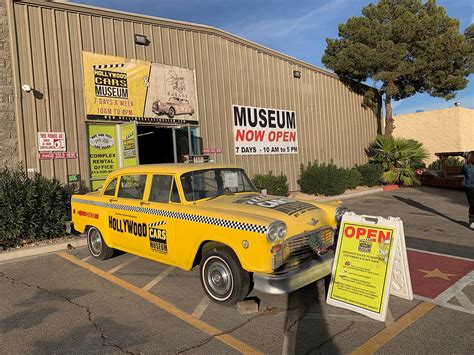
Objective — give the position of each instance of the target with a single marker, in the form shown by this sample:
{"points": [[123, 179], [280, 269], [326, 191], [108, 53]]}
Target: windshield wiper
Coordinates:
{"points": [[222, 194]]}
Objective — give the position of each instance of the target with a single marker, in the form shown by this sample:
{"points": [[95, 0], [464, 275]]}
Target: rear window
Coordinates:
{"points": [[132, 186], [164, 189], [160, 188], [110, 189]]}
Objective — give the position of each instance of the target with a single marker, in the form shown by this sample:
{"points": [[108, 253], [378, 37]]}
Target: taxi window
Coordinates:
{"points": [[110, 189], [132, 186], [160, 188], [174, 193]]}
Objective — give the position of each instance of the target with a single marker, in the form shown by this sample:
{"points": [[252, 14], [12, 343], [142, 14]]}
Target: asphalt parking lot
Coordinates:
{"points": [[69, 302]]}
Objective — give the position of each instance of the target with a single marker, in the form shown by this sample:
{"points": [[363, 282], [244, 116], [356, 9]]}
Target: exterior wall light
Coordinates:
{"points": [[141, 39], [26, 88], [296, 74]]}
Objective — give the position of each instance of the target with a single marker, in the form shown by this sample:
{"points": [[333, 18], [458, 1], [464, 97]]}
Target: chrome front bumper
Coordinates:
{"points": [[294, 279]]}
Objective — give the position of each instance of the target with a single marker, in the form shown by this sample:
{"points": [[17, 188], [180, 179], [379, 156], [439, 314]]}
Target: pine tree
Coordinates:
{"points": [[407, 47]]}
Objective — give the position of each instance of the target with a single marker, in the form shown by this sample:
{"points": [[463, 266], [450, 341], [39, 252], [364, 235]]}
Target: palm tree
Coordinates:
{"points": [[399, 158]]}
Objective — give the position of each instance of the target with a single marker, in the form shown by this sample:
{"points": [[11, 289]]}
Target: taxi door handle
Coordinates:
{"points": [[113, 200], [142, 203]]}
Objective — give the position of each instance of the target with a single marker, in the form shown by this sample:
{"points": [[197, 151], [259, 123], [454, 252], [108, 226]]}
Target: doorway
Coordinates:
{"points": [[156, 145]]}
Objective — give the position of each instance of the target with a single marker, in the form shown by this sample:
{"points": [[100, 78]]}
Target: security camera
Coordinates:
{"points": [[26, 88]]}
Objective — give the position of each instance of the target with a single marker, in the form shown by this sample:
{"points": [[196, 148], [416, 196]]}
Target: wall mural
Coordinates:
{"points": [[121, 89]]}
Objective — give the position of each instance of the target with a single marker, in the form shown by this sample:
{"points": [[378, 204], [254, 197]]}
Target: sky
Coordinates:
{"points": [[298, 28]]}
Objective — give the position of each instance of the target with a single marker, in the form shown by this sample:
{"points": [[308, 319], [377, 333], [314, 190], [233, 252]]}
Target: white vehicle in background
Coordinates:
{"points": [[174, 106]]}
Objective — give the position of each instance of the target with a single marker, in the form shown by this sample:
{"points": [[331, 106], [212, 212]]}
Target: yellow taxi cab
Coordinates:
{"points": [[212, 216]]}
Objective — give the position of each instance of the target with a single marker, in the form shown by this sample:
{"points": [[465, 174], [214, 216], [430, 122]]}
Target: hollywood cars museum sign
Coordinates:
{"points": [[264, 131], [120, 89]]}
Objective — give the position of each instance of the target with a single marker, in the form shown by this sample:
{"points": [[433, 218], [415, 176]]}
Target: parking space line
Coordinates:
{"points": [[157, 279], [387, 334], [389, 319], [439, 254], [125, 263], [201, 307], [455, 291], [167, 307], [87, 258]]}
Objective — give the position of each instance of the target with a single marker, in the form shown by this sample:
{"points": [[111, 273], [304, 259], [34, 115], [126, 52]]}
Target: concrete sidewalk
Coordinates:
{"points": [[25, 252]]}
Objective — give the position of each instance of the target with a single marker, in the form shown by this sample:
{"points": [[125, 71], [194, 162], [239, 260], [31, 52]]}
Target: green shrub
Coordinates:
{"points": [[354, 178], [322, 178], [449, 162], [371, 174], [79, 188], [275, 185], [31, 208], [399, 158]]}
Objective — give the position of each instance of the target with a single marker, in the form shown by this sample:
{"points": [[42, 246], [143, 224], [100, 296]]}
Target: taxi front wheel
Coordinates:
{"points": [[97, 246], [222, 277]]}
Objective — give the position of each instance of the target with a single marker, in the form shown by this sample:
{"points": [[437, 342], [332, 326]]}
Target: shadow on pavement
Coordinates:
{"points": [[462, 251], [457, 197], [423, 207], [306, 325]]}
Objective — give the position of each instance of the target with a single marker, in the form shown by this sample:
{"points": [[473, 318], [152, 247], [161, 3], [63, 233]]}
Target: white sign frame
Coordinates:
{"points": [[398, 252], [51, 141]]}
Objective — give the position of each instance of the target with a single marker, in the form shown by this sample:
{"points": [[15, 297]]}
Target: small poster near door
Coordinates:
{"points": [[128, 136], [103, 153]]}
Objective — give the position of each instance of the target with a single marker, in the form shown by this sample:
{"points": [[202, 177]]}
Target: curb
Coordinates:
{"points": [[35, 251], [391, 187], [357, 194]]}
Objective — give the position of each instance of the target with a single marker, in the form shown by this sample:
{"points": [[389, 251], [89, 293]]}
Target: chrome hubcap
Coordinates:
{"points": [[95, 242], [219, 278]]}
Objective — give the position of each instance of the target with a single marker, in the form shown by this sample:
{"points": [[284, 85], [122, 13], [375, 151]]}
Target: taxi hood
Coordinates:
{"points": [[298, 215]]}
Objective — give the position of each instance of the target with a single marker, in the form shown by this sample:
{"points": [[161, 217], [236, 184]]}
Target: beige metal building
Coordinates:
{"points": [[445, 130], [42, 89]]}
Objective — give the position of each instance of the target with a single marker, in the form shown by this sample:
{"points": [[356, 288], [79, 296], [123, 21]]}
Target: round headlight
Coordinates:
{"points": [[281, 232], [277, 230], [339, 213]]}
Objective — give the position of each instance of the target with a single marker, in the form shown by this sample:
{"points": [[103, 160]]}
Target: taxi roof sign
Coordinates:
{"points": [[195, 159]]}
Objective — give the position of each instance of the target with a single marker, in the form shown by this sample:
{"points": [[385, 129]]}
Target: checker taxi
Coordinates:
{"points": [[210, 215]]}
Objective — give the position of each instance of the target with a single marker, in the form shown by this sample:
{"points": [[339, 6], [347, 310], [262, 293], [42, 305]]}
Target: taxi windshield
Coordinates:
{"points": [[210, 183]]}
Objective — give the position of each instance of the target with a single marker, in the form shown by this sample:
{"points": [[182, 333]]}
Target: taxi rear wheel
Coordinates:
{"points": [[222, 277], [97, 246]]}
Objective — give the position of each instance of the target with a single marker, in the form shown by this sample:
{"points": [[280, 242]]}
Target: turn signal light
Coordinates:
{"points": [[275, 249]]}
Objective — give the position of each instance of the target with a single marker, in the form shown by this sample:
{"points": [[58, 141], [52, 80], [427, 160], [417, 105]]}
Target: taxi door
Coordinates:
{"points": [[126, 222], [163, 204]]}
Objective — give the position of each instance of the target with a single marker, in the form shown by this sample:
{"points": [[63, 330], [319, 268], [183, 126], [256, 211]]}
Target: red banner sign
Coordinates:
{"points": [[211, 150], [57, 155]]}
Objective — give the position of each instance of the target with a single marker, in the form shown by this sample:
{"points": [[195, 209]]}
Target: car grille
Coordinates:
{"points": [[300, 247], [321, 239], [297, 247]]}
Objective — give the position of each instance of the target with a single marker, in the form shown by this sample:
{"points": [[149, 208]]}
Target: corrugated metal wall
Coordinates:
{"points": [[332, 124]]}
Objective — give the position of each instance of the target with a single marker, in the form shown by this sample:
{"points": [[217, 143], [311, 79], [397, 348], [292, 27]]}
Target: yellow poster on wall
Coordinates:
{"points": [[103, 153], [114, 86], [362, 268], [120, 89]]}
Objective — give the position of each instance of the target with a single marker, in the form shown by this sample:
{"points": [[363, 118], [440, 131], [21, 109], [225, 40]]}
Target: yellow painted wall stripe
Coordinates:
{"points": [[384, 336], [167, 307]]}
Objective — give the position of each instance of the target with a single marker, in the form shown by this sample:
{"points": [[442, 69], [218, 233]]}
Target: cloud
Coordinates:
{"points": [[286, 25]]}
